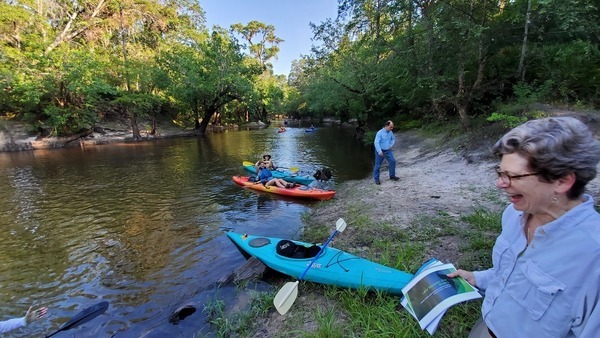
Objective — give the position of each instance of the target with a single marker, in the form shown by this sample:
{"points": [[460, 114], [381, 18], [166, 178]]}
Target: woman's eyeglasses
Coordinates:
{"points": [[507, 179]]}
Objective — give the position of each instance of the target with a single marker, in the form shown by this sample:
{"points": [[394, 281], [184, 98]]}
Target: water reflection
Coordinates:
{"points": [[140, 225]]}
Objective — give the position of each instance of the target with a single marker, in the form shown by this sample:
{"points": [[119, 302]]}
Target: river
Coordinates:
{"points": [[141, 225]]}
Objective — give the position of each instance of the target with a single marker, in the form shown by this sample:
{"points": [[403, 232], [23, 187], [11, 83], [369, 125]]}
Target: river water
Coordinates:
{"points": [[141, 225]]}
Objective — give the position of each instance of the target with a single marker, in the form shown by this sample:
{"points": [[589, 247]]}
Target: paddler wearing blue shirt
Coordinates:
{"points": [[384, 141], [266, 177]]}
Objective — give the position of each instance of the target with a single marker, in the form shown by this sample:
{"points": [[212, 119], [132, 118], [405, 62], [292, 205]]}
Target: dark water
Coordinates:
{"points": [[141, 225]]}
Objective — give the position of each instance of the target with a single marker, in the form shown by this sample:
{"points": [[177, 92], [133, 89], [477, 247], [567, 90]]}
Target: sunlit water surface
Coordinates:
{"points": [[141, 225]]}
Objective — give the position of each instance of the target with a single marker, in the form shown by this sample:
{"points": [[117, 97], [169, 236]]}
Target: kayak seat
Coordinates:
{"points": [[290, 249]]}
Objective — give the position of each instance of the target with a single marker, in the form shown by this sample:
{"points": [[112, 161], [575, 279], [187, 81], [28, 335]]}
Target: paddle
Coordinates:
{"points": [[83, 317], [292, 169], [288, 293]]}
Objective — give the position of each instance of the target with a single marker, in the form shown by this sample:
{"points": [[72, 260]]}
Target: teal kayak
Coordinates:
{"points": [[333, 267], [289, 177]]}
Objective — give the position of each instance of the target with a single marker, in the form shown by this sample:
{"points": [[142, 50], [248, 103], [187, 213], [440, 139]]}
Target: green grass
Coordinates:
{"points": [[359, 313], [238, 323]]}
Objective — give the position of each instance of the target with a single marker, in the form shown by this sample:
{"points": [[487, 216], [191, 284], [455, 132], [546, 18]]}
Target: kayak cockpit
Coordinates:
{"points": [[290, 249]]}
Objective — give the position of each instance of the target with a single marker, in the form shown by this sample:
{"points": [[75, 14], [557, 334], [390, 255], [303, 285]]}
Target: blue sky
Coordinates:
{"points": [[291, 19]]}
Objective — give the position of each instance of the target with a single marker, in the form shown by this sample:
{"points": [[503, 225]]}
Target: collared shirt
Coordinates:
{"points": [[550, 288], [384, 140]]}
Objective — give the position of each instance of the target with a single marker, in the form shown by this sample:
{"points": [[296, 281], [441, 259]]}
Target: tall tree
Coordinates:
{"points": [[207, 75], [521, 69], [263, 44]]}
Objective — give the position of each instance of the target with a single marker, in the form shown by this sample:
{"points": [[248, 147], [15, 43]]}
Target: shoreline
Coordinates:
{"points": [[374, 213], [445, 205], [15, 137]]}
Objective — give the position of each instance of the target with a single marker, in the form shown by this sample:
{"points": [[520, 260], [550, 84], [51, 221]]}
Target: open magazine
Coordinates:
{"points": [[430, 293]]}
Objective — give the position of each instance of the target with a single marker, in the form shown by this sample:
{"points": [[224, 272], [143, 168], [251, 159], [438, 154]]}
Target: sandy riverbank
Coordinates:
{"points": [[435, 179]]}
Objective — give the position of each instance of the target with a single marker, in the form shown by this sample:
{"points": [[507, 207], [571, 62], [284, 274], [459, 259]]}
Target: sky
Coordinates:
{"points": [[291, 19]]}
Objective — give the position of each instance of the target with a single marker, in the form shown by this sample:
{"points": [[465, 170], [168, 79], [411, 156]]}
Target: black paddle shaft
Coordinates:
{"points": [[83, 317]]}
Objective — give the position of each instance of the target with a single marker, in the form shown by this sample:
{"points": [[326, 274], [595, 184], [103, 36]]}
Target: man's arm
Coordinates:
{"points": [[377, 142]]}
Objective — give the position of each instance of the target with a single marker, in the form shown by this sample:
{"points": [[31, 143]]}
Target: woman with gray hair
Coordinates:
{"points": [[545, 279]]}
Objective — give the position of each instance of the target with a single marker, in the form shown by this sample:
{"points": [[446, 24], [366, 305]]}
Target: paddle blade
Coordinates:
{"points": [[340, 225], [293, 169], [288, 293], [247, 163], [83, 317], [286, 297]]}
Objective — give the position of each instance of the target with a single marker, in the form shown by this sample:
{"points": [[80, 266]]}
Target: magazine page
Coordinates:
{"points": [[431, 292], [431, 327]]}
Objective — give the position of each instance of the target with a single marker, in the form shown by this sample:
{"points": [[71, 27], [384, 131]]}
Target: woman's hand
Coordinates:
{"points": [[467, 275], [35, 314]]}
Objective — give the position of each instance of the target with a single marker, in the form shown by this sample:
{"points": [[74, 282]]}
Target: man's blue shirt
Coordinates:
{"points": [[384, 140]]}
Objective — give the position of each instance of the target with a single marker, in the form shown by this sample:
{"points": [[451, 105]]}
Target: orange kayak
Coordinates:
{"points": [[297, 191]]}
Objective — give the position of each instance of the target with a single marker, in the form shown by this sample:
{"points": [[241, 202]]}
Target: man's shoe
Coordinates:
{"points": [[377, 182], [394, 178]]}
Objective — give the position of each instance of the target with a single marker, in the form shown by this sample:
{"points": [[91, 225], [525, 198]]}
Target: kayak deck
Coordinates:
{"points": [[333, 267], [293, 178], [297, 191]]}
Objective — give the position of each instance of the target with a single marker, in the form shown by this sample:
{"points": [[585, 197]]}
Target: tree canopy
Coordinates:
{"points": [[67, 65], [451, 59]]}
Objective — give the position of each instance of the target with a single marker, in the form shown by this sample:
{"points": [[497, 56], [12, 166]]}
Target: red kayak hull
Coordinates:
{"points": [[300, 191]]}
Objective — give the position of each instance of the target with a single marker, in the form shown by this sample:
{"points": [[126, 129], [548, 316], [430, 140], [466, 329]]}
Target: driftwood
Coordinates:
{"points": [[252, 269], [83, 133]]}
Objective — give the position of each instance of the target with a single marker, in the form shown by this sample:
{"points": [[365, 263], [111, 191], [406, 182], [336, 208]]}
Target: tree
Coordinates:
{"points": [[263, 44], [207, 75]]}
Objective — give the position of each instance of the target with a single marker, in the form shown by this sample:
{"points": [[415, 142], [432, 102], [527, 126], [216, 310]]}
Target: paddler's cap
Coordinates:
{"points": [[265, 157]]}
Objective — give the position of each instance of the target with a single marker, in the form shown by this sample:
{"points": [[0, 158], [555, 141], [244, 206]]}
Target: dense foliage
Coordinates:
{"points": [[450, 59], [67, 65]]}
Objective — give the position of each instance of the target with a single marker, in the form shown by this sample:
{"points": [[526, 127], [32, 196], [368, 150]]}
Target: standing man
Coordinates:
{"points": [[384, 140]]}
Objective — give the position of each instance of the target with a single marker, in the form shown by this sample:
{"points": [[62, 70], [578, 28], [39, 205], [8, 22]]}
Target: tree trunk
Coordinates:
{"points": [[153, 131], [124, 46], [77, 136], [521, 69], [68, 33], [482, 58], [196, 115], [204, 124], [460, 99], [263, 113], [134, 128], [426, 8], [378, 43]]}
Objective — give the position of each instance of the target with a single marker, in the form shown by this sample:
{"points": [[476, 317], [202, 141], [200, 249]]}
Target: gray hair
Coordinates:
{"points": [[555, 147]]}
